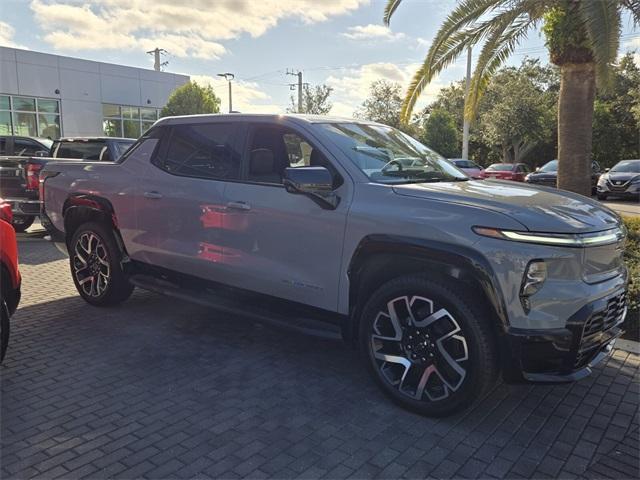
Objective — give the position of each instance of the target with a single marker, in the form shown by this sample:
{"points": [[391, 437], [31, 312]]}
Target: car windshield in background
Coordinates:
{"points": [[628, 166], [464, 164], [387, 155], [551, 166], [501, 167]]}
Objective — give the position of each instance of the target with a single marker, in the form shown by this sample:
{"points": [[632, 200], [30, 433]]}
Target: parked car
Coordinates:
{"points": [[623, 180], [547, 175], [443, 282], [19, 175], [9, 275], [16, 145], [472, 169], [506, 171]]}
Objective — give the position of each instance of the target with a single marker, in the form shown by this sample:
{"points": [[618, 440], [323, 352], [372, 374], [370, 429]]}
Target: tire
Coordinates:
{"points": [[22, 222], [4, 328], [601, 196], [94, 259], [440, 362]]}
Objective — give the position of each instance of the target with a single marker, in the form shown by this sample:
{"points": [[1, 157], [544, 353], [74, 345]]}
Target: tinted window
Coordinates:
{"points": [[26, 148], [202, 150], [551, 166], [629, 166], [501, 167], [464, 164], [3, 150], [85, 150]]}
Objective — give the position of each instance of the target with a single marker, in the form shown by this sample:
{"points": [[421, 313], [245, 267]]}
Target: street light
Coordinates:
{"points": [[228, 77]]}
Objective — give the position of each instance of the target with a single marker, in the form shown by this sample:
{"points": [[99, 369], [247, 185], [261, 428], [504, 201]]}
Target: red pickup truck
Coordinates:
{"points": [[9, 274]]}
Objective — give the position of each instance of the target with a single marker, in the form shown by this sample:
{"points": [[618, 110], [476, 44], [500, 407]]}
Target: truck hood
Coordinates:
{"points": [[538, 209]]}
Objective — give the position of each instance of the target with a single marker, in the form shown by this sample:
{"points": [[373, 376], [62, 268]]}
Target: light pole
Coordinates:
{"points": [[465, 126], [228, 77]]}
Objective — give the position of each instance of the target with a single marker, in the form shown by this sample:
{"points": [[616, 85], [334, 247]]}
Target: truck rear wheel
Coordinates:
{"points": [[428, 348], [96, 267]]}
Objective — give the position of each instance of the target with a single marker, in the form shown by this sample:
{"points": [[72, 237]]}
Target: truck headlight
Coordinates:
{"points": [[532, 281], [602, 180]]}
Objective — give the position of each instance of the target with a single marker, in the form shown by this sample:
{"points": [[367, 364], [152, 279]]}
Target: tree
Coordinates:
{"points": [[440, 133], [315, 101], [191, 99], [517, 115], [582, 37], [383, 105]]}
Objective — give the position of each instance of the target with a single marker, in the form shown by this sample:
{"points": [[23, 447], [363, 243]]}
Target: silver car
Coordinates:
{"points": [[346, 228]]}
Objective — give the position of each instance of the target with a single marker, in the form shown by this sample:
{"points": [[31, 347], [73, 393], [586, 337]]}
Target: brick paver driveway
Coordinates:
{"points": [[162, 389]]}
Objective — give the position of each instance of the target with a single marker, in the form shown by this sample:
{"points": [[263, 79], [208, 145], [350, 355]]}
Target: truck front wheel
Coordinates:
{"points": [[429, 348], [96, 267]]}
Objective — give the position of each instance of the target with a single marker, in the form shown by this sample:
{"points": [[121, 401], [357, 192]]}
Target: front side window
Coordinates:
{"points": [[387, 155], [275, 148], [26, 148], [204, 150]]}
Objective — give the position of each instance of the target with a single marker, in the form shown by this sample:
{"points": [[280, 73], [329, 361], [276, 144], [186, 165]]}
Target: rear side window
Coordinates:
{"points": [[202, 151], [3, 149]]}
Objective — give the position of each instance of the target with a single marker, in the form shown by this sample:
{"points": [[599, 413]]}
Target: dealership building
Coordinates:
{"points": [[44, 95]]}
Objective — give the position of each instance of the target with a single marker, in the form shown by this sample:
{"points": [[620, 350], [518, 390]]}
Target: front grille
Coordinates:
{"points": [[605, 319], [600, 322], [619, 188]]}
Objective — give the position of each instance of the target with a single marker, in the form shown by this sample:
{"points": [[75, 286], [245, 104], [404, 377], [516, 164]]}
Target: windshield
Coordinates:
{"points": [[551, 166], [629, 166], [387, 155], [464, 163], [501, 167]]}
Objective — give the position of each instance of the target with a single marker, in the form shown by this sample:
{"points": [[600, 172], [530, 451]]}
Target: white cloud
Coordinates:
{"points": [[352, 88], [372, 32], [247, 96], [6, 36], [187, 28]]}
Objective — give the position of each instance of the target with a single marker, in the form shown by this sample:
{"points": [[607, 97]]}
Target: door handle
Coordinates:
{"points": [[239, 206], [153, 195]]}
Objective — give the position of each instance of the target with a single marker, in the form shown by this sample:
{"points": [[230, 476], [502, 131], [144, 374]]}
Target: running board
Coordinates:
{"points": [[229, 304]]}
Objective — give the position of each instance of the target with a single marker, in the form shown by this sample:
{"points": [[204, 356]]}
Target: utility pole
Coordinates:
{"points": [[157, 64], [228, 77], [299, 85], [465, 127]]}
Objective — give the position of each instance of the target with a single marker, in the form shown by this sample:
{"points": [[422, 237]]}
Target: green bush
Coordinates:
{"points": [[632, 259]]}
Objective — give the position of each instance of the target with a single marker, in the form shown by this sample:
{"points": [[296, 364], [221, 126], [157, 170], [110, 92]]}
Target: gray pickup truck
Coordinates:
{"points": [[20, 168], [352, 229]]}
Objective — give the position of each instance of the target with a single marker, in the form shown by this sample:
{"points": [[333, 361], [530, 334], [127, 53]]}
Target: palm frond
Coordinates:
{"points": [[634, 7], [389, 10], [499, 46], [602, 22], [449, 49]]}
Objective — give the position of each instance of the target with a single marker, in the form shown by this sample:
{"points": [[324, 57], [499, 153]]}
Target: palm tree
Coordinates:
{"points": [[582, 37]]}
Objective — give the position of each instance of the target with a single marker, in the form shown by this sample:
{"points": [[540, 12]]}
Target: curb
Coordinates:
{"points": [[628, 346]]}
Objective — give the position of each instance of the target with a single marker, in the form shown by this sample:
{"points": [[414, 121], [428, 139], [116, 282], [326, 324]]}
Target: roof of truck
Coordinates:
{"points": [[93, 139], [260, 116]]}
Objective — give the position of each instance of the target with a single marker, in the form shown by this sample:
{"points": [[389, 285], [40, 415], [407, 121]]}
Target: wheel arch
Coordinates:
{"points": [[81, 208], [380, 258]]}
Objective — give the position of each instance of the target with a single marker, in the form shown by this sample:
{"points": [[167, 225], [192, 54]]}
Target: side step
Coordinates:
{"points": [[248, 306]]}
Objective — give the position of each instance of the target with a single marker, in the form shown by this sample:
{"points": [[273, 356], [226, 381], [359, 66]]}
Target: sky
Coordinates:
{"points": [[341, 43]]}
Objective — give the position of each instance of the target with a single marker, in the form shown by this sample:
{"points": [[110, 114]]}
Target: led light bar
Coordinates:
{"points": [[561, 239]]}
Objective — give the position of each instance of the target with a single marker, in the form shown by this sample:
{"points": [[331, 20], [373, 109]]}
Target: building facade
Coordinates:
{"points": [[44, 95]]}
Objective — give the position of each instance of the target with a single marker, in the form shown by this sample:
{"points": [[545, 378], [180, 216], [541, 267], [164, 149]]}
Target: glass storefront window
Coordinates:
{"points": [[48, 106], [149, 114], [130, 112], [131, 128], [4, 103], [25, 124], [24, 104], [49, 125], [112, 127], [5, 123], [127, 121]]}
